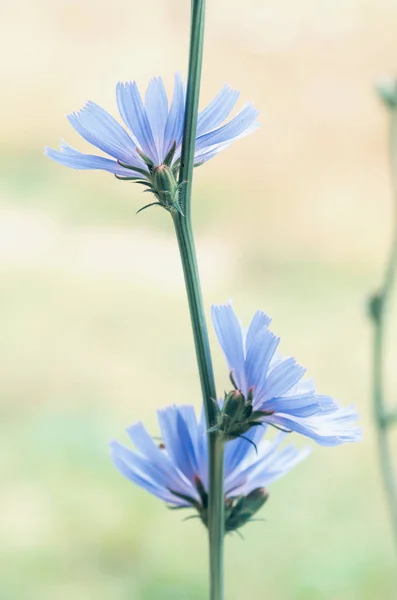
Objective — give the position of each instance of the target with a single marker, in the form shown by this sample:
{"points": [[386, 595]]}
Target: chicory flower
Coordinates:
{"points": [[271, 389], [148, 148], [176, 470]]}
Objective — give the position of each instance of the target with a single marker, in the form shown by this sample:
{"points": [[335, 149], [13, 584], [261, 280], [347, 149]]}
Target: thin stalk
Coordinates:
{"points": [[192, 102], [380, 303], [184, 233]]}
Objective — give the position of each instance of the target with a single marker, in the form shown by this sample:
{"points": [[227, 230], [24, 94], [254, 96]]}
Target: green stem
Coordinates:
{"points": [[184, 233], [383, 417], [216, 516], [192, 102], [187, 252], [215, 493]]}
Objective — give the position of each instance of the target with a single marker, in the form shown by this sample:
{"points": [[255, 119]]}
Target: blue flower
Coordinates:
{"points": [[176, 470], [152, 135], [271, 389]]}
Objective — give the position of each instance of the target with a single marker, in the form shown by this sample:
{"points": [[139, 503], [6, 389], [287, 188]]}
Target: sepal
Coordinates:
{"points": [[236, 417], [240, 510]]}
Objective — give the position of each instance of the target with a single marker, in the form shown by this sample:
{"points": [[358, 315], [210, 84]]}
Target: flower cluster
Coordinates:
{"points": [[267, 389], [148, 150], [176, 470]]}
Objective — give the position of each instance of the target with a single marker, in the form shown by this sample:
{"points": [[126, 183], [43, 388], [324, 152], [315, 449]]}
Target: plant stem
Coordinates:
{"points": [[380, 302], [184, 233], [192, 102]]}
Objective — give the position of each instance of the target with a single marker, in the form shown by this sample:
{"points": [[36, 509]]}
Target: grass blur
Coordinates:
{"points": [[95, 327]]}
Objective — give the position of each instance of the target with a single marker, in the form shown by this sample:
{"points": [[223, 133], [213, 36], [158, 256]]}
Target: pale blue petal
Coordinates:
{"points": [[69, 157], [99, 128], [189, 432], [177, 440], [156, 104], [265, 474], [260, 353], [265, 467], [259, 322], [146, 446], [237, 450], [209, 152], [327, 430], [241, 124], [230, 338], [327, 405], [239, 476], [160, 492], [217, 111], [133, 113], [298, 406], [132, 466], [174, 127], [281, 379]]}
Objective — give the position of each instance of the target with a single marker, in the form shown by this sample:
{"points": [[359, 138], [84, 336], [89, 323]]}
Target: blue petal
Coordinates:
{"points": [[99, 128], [305, 405], [174, 127], [156, 456], [228, 331], [209, 152], [177, 439], [238, 450], [132, 466], [260, 321], [260, 353], [156, 104], [281, 379], [264, 467], [240, 125], [217, 111], [267, 471], [133, 113], [240, 475], [69, 157], [327, 430]]}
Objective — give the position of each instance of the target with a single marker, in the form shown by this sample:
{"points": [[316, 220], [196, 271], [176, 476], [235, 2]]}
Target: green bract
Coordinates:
{"points": [[239, 510], [161, 181], [236, 417]]}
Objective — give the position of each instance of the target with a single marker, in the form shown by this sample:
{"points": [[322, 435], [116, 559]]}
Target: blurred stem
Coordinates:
{"points": [[184, 233], [380, 303]]}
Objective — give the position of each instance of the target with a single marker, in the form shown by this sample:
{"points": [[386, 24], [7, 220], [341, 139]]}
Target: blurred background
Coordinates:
{"points": [[95, 330]]}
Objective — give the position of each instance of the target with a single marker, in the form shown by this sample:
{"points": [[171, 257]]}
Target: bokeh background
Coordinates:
{"points": [[94, 325]]}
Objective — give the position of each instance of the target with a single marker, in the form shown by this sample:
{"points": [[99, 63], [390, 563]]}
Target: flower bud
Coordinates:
{"points": [[240, 510], [165, 187], [237, 416]]}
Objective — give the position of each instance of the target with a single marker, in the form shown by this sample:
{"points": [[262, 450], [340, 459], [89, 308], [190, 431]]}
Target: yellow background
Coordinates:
{"points": [[94, 326]]}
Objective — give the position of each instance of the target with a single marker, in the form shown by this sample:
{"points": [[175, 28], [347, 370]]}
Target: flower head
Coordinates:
{"points": [[271, 389], [148, 148], [177, 469]]}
